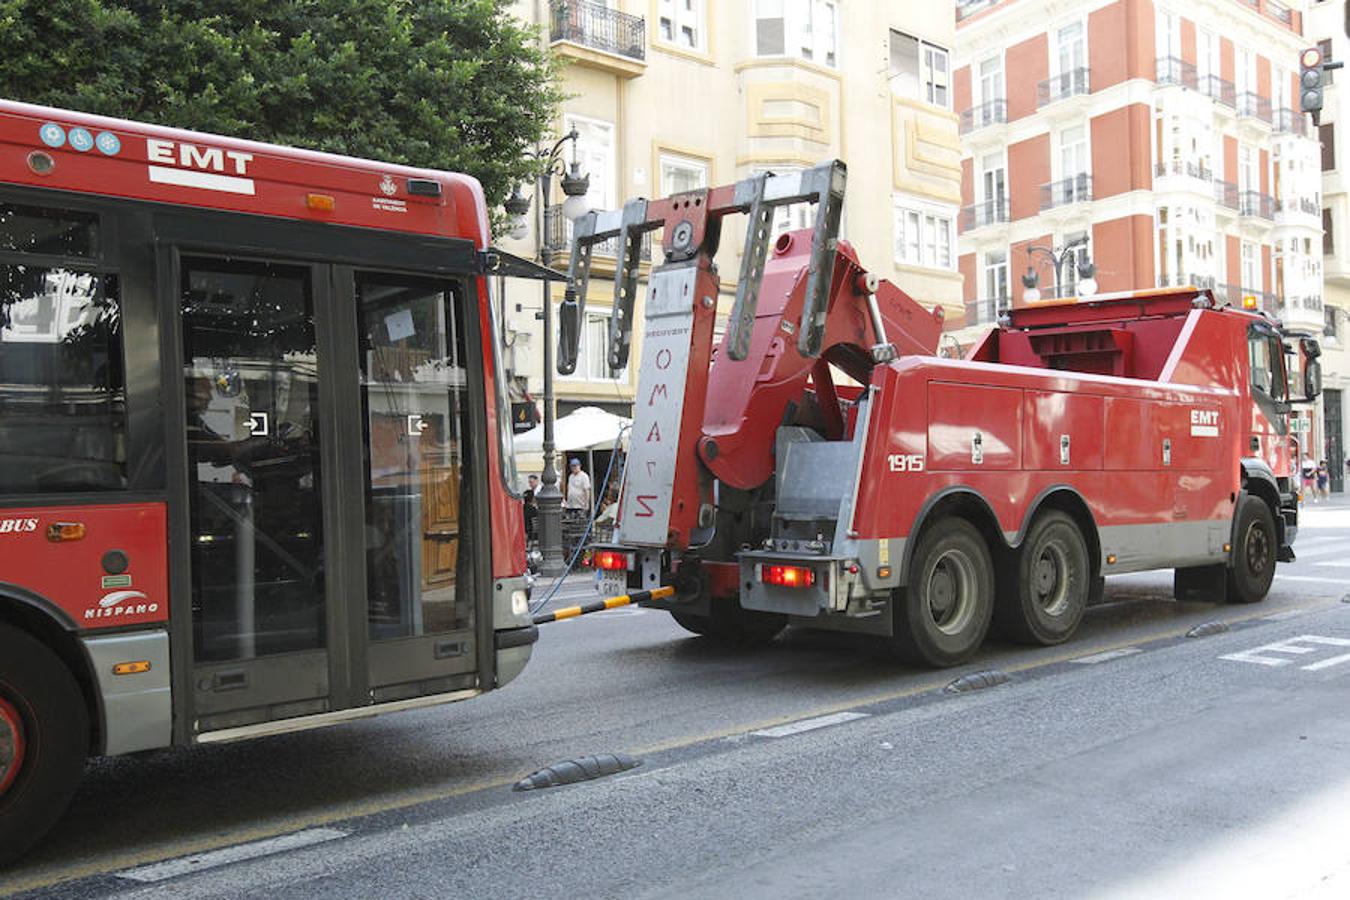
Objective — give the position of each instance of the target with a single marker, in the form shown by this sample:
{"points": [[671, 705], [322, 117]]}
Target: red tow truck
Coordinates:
{"points": [[1078, 439]]}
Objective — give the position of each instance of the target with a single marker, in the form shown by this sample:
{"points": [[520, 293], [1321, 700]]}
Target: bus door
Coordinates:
{"points": [[334, 511]]}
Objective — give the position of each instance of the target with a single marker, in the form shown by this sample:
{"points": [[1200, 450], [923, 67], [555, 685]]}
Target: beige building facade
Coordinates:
{"points": [[669, 95]]}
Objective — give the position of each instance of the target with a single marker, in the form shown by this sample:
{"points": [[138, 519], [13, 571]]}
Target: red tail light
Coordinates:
{"points": [[610, 559], [788, 576]]}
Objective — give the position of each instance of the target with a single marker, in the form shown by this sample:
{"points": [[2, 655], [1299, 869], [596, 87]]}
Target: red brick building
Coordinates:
{"points": [[1163, 137]]}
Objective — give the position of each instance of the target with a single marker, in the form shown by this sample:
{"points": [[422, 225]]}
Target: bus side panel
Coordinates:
{"points": [[110, 570]]}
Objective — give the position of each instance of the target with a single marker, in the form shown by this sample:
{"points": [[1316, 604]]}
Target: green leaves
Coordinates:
{"points": [[444, 84]]}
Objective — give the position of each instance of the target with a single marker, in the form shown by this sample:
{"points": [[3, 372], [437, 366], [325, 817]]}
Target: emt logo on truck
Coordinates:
{"points": [[1204, 423], [209, 168]]}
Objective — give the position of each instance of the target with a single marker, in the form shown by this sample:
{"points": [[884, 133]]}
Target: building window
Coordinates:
{"points": [[923, 237], [1328, 236], [682, 173], [919, 70], [996, 276], [593, 351], [991, 79], [1080, 254], [1250, 267], [1329, 329], [1071, 49], [1327, 135], [1073, 152], [681, 22], [1325, 47], [804, 28]]}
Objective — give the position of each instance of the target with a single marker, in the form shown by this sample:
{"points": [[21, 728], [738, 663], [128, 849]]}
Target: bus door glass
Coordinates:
{"points": [[414, 362], [251, 392]]}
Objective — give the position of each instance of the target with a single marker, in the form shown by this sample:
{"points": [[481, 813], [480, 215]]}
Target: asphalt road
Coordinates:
{"points": [[1135, 761]]}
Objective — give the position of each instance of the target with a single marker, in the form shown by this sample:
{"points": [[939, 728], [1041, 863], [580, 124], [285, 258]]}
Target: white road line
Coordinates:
{"points": [[1286, 614], [1107, 655], [1338, 564], [187, 865], [1311, 579], [809, 724]]}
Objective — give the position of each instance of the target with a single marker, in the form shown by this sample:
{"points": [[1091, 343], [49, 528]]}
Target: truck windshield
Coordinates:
{"points": [[1267, 364]]}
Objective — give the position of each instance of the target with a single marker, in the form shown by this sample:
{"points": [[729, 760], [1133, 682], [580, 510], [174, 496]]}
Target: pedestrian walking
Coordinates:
{"points": [[1309, 473], [1323, 477], [578, 486]]}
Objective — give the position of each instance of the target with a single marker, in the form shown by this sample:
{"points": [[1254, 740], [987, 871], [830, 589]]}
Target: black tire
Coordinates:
{"points": [[1051, 580], [943, 615], [727, 623], [44, 702], [1255, 547]]}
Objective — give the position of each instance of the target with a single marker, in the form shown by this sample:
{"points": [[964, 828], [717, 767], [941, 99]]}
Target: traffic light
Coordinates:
{"points": [[1310, 81]]}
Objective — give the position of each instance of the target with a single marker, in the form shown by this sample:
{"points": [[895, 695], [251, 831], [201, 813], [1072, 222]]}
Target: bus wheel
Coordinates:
{"points": [[728, 623], [1253, 568], [942, 616], [44, 736], [1049, 593]]}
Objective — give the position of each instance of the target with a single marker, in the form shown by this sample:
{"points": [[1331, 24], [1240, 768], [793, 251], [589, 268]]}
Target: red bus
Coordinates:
{"points": [[255, 471]]}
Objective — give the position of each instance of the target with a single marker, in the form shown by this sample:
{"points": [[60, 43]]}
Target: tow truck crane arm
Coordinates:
{"points": [[701, 417]]}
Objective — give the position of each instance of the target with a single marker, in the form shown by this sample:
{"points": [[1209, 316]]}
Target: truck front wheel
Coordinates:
{"points": [[942, 616], [1254, 551], [1047, 597], [728, 623], [44, 736]]}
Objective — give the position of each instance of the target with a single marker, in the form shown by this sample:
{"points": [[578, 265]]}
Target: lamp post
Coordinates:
{"points": [[575, 185], [1087, 282]]}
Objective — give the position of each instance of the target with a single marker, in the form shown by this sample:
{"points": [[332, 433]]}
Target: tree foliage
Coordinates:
{"points": [[444, 84]]}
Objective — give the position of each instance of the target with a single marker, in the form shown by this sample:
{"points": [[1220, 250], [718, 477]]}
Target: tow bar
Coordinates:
{"points": [[571, 612]]}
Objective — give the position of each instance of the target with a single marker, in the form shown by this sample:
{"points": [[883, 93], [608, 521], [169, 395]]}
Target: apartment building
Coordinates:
{"points": [[1158, 139], [1325, 26], [669, 95]]}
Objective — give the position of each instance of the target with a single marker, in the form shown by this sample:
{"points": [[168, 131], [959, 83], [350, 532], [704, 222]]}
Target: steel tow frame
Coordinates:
{"points": [[571, 612]]}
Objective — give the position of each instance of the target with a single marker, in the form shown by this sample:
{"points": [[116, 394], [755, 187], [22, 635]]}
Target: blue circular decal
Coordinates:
{"points": [[81, 140], [108, 143], [52, 135]]}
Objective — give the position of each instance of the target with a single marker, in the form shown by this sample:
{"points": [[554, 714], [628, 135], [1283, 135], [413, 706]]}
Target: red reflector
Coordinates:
{"points": [[788, 576], [609, 559]]}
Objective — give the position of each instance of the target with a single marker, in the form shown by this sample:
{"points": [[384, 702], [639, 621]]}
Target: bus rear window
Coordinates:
{"points": [[62, 387], [51, 232]]}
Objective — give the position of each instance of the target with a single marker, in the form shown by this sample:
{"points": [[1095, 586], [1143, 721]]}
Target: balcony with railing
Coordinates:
{"points": [[1187, 280], [986, 310], [1077, 189], [990, 112], [988, 212], [1220, 89], [1073, 83], [1226, 195], [1233, 294], [1186, 168], [1305, 205], [967, 8], [558, 237], [1253, 106], [1291, 121], [1256, 204], [597, 27], [1172, 70]]}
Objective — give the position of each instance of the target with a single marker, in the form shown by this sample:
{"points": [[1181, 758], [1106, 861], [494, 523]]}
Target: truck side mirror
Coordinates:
{"points": [[1312, 379], [1311, 348]]}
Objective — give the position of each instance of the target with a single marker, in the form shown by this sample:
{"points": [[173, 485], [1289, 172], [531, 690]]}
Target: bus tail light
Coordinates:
{"points": [[788, 576], [612, 560], [58, 532]]}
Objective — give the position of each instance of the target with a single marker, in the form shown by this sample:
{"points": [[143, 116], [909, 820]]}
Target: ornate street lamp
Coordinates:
{"points": [[1087, 281]]}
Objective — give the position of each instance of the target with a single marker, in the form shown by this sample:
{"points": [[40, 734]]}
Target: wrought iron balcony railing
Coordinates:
{"points": [[1289, 121], [1255, 203], [1226, 194], [1187, 280], [558, 237], [1221, 89], [988, 212], [1254, 106], [990, 112], [597, 26], [1077, 189], [1305, 205], [986, 310], [1072, 83], [1173, 70], [1234, 294], [1179, 167]]}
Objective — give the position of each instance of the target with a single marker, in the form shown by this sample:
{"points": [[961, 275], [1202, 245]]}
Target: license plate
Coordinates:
{"points": [[613, 582]]}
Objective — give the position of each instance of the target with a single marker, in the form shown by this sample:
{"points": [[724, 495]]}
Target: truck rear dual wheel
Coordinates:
{"points": [[44, 737], [942, 616], [1045, 596], [727, 623], [1255, 547]]}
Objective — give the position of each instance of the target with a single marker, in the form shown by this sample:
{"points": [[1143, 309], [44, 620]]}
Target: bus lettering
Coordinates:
{"points": [[191, 156]]}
